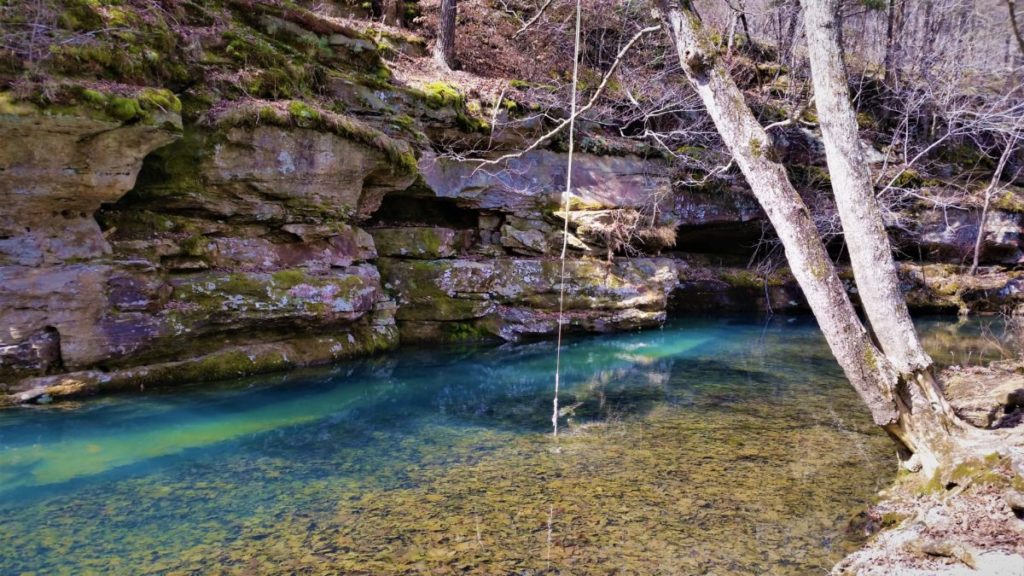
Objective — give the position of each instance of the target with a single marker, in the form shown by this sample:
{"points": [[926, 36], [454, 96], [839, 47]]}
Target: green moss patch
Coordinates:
{"points": [[145, 105], [299, 114]]}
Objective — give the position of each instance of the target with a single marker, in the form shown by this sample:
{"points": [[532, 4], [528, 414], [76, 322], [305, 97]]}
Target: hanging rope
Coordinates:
{"points": [[565, 212]]}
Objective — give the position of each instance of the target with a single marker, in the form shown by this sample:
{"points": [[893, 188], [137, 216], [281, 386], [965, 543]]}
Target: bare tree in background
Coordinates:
{"points": [[1011, 6], [444, 50], [391, 12]]}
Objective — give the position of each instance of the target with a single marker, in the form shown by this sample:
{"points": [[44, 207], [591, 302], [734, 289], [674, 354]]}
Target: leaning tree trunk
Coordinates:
{"points": [[926, 419], [864, 365], [444, 51]]}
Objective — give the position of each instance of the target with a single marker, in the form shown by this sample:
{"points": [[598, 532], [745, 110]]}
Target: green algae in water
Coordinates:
{"points": [[709, 446]]}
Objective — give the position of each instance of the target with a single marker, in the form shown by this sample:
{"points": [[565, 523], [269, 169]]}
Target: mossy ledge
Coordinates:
{"points": [[298, 114], [232, 362], [131, 105]]}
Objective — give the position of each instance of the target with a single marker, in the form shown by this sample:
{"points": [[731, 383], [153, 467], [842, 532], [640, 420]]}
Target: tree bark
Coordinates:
{"points": [[889, 64], [1011, 6], [864, 231], [864, 365], [792, 23], [394, 13], [926, 418], [444, 50]]}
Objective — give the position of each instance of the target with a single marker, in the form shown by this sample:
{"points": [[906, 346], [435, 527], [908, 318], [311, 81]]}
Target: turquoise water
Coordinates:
{"points": [[725, 446]]}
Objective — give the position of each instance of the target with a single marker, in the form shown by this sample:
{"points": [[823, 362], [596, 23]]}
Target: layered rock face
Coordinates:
{"points": [[236, 251], [264, 233], [140, 253], [485, 264], [137, 252]]}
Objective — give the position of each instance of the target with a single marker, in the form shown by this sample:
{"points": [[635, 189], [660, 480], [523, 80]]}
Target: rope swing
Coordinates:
{"points": [[565, 211]]}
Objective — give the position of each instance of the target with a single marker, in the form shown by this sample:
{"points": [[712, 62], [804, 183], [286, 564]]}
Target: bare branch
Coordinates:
{"points": [[590, 103], [534, 19]]}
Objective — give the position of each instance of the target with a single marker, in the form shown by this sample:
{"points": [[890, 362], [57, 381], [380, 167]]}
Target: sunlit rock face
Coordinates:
{"points": [[57, 170], [537, 179], [145, 252], [232, 240], [515, 298]]}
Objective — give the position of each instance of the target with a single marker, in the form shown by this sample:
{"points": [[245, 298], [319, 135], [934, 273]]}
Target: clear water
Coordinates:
{"points": [[711, 446]]}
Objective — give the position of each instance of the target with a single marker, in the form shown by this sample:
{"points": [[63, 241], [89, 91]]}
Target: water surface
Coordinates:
{"points": [[710, 446]]}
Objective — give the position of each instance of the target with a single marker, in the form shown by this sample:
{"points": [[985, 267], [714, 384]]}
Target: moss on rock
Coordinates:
{"points": [[300, 114]]}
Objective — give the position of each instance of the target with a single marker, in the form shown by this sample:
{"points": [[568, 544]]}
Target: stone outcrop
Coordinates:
{"points": [[237, 250], [516, 298], [311, 208], [987, 396], [268, 236], [271, 235], [58, 169]]}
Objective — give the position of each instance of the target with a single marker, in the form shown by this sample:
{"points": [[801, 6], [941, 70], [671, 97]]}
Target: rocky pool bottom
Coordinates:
{"points": [[724, 446]]}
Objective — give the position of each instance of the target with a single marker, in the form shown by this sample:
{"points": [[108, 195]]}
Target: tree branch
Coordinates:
{"points": [[590, 103], [534, 19]]}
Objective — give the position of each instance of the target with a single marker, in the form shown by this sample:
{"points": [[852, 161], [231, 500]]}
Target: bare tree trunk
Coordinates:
{"points": [[390, 12], [865, 235], [864, 365], [741, 11], [788, 55], [1011, 6], [926, 418], [839, 33], [394, 13], [444, 51], [890, 46]]}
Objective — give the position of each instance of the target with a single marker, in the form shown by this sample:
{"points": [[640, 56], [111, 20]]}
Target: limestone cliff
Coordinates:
{"points": [[248, 189]]}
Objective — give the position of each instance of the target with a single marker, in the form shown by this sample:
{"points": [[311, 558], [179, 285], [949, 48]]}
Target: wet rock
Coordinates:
{"points": [[229, 362]]}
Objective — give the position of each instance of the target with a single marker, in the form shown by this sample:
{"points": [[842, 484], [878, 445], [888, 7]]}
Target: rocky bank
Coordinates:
{"points": [[267, 195]]}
